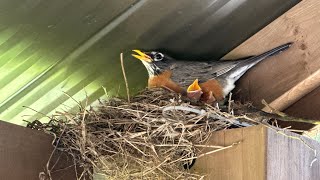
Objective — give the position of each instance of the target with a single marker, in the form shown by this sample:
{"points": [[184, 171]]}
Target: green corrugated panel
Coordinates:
{"points": [[40, 43], [49, 48]]}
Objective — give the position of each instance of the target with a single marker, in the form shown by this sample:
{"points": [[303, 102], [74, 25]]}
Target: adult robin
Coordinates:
{"points": [[217, 78]]}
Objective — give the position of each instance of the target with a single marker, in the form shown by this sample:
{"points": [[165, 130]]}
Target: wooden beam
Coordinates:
{"points": [[24, 153], [282, 74], [237, 162], [307, 107], [263, 154], [296, 93]]}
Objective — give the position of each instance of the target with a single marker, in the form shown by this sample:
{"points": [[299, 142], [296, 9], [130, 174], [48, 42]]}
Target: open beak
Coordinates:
{"points": [[194, 86], [141, 56], [194, 91]]}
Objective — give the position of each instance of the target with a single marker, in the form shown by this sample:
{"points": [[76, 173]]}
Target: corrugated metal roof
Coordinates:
{"points": [[52, 48]]}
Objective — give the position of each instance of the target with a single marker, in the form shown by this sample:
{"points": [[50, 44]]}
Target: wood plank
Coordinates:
{"points": [[263, 154], [296, 93], [205, 165], [254, 153], [24, 154], [289, 158], [307, 107], [234, 168], [245, 161], [273, 77]]}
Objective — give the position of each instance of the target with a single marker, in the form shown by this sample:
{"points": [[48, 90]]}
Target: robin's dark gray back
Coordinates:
{"points": [[185, 72]]}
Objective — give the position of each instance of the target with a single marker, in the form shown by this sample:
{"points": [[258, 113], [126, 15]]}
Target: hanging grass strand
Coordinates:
{"points": [[125, 77]]}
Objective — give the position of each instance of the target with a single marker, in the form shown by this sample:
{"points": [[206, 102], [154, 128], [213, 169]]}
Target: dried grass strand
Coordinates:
{"points": [[153, 136], [125, 77]]}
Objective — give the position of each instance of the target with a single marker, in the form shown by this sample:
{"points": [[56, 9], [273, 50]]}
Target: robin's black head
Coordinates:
{"points": [[155, 62]]}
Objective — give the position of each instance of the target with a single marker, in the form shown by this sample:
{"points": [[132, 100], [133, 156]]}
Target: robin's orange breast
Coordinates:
{"points": [[164, 80], [212, 91]]}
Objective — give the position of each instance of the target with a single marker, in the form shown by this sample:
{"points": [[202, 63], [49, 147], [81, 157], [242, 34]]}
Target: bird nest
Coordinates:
{"points": [[158, 135]]}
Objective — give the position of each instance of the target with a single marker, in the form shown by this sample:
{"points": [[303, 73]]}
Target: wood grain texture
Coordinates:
{"points": [[290, 159], [264, 154], [295, 93], [308, 108], [24, 154], [275, 76], [245, 161]]}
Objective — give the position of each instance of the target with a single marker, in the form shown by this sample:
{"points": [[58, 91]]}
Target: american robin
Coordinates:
{"points": [[217, 78]]}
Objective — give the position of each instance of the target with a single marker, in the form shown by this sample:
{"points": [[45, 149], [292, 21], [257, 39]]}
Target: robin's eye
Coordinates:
{"points": [[158, 56]]}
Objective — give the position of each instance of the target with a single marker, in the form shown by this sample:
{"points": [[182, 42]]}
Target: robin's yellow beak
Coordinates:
{"points": [[141, 56], [194, 86]]}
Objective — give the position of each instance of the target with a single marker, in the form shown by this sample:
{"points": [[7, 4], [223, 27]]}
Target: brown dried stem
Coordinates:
{"points": [[147, 138]]}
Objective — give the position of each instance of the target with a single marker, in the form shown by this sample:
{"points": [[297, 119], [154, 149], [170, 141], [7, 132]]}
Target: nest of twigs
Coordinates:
{"points": [[158, 135]]}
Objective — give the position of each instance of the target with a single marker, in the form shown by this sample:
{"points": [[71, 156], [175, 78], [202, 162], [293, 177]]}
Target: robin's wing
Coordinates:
{"points": [[241, 66], [185, 72], [221, 67]]}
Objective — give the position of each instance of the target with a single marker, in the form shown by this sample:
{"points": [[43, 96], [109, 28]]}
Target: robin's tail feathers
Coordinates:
{"points": [[273, 51], [244, 65]]}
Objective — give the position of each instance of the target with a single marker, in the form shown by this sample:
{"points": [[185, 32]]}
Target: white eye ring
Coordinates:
{"points": [[158, 56]]}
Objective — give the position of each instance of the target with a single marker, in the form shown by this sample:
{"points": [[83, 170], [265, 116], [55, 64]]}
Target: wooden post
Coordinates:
{"points": [[24, 153], [264, 154]]}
